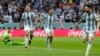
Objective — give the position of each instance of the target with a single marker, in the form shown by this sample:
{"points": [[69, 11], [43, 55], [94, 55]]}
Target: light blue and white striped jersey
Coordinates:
{"points": [[28, 18], [90, 21], [49, 20]]}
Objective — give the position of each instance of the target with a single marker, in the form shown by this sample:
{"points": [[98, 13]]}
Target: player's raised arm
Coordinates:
{"points": [[82, 18], [34, 19]]}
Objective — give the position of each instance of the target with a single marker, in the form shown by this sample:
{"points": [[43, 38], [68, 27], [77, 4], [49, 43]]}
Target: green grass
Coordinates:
{"points": [[60, 47]]}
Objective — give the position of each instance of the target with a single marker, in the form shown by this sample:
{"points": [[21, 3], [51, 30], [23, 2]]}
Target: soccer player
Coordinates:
{"points": [[7, 40], [6, 36], [49, 21], [89, 29], [28, 22]]}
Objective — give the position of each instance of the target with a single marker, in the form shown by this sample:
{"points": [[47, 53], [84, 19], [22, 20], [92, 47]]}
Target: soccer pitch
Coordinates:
{"points": [[60, 47]]}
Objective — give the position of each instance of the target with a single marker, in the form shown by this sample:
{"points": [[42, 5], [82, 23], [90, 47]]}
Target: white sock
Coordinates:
{"points": [[88, 48], [48, 44], [46, 41], [26, 41]]}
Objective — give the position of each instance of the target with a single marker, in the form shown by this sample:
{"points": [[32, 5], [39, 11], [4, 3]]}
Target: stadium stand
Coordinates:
{"points": [[71, 10]]}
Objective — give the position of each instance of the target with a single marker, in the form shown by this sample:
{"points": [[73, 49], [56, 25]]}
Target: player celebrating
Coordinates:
{"points": [[89, 27], [27, 20], [49, 20]]}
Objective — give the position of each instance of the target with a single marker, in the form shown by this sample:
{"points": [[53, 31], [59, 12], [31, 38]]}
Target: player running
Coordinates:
{"points": [[29, 25], [89, 29], [49, 20]]}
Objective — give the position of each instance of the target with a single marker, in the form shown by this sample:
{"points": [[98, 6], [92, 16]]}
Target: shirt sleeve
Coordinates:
{"points": [[97, 17]]}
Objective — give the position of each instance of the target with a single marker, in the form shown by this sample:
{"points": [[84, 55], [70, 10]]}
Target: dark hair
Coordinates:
{"points": [[49, 8], [89, 6]]}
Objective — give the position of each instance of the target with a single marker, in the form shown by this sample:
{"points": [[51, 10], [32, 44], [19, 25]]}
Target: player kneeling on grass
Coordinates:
{"points": [[49, 21], [28, 23], [89, 29], [7, 40]]}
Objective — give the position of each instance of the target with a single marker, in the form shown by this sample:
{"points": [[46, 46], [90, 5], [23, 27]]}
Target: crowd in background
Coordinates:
{"points": [[68, 10]]}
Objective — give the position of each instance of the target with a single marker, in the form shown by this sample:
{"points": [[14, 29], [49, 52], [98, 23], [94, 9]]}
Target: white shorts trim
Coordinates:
{"points": [[88, 35], [47, 30], [27, 28]]}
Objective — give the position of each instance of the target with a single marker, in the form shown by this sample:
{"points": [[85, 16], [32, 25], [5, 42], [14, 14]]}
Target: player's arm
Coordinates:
{"points": [[59, 20], [76, 24], [41, 19], [34, 18], [82, 18], [44, 20], [21, 24]]}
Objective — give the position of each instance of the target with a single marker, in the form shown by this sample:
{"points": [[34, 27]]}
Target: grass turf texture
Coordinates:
{"points": [[60, 47]]}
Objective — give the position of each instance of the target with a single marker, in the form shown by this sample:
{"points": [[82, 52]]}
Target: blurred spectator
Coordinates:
{"points": [[98, 18], [70, 10], [1, 19], [74, 17], [1, 9], [39, 5], [69, 17], [61, 5], [8, 18], [61, 18], [16, 17], [14, 7], [58, 11], [81, 5], [10, 8]]}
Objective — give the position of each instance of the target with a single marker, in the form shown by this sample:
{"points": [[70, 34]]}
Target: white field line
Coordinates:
{"points": [[45, 49], [55, 49]]}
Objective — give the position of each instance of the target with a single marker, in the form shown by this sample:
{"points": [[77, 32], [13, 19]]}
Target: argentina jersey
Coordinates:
{"points": [[28, 18], [90, 24], [49, 20]]}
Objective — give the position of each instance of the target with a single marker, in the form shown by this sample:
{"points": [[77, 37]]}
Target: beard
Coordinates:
{"points": [[87, 11]]}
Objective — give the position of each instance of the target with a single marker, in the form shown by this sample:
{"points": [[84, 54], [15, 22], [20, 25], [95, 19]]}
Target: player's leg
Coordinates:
{"points": [[49, 41], [90, 39], [31, 34], [48, 38], [51, 36], [84, 37], [26, 38], [31, 37], [47, 35]]}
